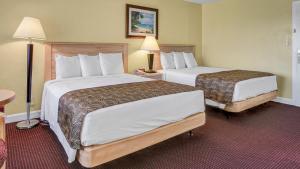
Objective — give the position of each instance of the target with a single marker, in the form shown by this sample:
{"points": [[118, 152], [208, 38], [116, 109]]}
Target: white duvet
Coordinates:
{"points": [[120, 121], [243, 90]]}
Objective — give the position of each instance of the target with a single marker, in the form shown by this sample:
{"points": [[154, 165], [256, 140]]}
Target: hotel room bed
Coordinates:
{"points": [[121, 121], [256, 87], [243, 90], [114, 131]]}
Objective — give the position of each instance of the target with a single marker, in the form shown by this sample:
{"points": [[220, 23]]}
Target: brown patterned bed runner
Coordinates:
{"points": [[219, 86], [75, 105]]}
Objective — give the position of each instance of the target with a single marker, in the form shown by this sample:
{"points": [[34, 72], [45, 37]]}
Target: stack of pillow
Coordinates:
{"points": [[177, 60], [86, 66]]}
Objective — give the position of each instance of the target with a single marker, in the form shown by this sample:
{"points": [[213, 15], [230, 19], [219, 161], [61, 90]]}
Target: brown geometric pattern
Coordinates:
{"points": [[266, 137], [219, 86], [75, 105]]}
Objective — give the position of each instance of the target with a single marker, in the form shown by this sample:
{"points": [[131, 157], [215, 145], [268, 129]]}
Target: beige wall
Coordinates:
{"points": [[84, 21], [236, 34], [249, 34]]}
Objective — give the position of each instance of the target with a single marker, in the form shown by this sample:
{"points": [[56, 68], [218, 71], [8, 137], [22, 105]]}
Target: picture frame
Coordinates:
{"points": [[141, 21]]}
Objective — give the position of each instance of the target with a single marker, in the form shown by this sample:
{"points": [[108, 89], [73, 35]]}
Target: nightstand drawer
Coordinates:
{"points": [[157, 76]]}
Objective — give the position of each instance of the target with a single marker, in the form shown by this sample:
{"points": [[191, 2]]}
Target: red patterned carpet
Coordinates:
{"points": [[264, 137]]}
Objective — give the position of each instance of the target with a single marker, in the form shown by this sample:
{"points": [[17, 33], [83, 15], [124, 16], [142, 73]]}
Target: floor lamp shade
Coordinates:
{"points": [[150, 44], [30, 29]]}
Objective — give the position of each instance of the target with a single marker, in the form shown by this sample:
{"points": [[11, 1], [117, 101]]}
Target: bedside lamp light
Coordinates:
{"points": [[150, 44], [29, 29]]}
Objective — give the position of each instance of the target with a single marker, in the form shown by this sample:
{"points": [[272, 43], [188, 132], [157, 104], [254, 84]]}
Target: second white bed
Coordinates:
{"points": [[243, 90]]}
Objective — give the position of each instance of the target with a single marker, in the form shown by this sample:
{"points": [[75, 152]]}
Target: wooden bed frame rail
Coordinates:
{"points": [[96, 155], [238, 107]]}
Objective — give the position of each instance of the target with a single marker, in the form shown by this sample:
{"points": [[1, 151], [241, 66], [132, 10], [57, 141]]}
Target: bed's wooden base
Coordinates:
{"points": [[238, 107], [96, 155]]}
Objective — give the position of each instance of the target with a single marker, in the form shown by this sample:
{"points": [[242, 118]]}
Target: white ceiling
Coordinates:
{"points": [[201, 1]]}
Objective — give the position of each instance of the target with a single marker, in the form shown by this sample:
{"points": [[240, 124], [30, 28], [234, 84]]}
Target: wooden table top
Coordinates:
{"points": [[6, 96]]}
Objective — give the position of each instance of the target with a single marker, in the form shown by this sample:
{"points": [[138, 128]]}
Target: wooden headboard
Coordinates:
{"points": [[74, 48], [172, 48]]}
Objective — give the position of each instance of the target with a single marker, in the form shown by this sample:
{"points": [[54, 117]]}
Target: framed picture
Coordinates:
{"points": [[141, 21]]}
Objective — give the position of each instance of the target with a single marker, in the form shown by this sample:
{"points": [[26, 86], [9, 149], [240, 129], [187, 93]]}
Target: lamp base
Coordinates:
{"points": [[27, 124], [150, 71]]}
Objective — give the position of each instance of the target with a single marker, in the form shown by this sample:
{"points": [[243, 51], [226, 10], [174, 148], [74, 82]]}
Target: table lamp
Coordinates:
{"points": [[29, 29], [150, 44]]}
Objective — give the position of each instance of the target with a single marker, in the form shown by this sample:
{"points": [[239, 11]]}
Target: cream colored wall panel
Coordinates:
{"points": [[251, 35]]}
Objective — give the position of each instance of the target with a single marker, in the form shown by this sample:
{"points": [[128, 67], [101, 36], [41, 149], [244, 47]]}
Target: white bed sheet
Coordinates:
{"points": [[120, 121], [243, 90]]}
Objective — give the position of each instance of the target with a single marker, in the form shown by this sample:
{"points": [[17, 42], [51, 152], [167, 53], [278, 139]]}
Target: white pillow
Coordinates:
{"points": [[111, 63], [67, 67], [190, 60], [167, 60], [179, 60], [90, 65]]}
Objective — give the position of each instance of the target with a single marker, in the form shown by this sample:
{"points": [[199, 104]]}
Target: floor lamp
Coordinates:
{"points": [[29, 29], [150, 44]]}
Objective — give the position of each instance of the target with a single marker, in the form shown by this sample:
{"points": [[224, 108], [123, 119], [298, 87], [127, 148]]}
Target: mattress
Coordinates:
{"points": [[120, 121], [243, 90]]}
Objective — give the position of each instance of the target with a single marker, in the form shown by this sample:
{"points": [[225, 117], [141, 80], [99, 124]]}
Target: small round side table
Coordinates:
{"points": [[6, 96]]}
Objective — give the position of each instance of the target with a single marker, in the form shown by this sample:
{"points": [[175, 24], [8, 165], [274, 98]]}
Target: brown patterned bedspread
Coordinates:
{"points": [[75, 105], [219, 86]]}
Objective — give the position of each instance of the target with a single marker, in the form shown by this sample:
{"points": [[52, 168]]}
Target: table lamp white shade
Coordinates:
{"points": [[150, 44], [30, 28]]}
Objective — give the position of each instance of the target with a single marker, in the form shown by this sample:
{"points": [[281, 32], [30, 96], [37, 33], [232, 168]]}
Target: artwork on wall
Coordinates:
{"points": [[141, 21]]}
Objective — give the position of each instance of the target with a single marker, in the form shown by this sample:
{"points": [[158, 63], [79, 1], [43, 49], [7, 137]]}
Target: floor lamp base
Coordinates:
{"points": [[27, 124]]}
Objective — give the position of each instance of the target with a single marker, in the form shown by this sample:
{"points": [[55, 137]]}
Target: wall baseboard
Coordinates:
{"points": [[21, 116], [285, 101]]}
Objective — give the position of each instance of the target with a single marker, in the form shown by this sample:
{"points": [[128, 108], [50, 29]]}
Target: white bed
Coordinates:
{"points": [[120, 121], [242, 91], [247, 94]]}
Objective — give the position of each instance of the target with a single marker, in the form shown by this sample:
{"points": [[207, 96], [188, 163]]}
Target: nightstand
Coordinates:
{"points": [[6, 96], [157, 75]]}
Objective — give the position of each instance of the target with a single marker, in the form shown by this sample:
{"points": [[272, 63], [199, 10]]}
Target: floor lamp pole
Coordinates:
{"points": [[28, 123]]}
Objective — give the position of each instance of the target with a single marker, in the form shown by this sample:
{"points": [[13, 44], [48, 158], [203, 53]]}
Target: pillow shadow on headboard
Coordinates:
{"points": [[75, 48], [167, 48]]}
